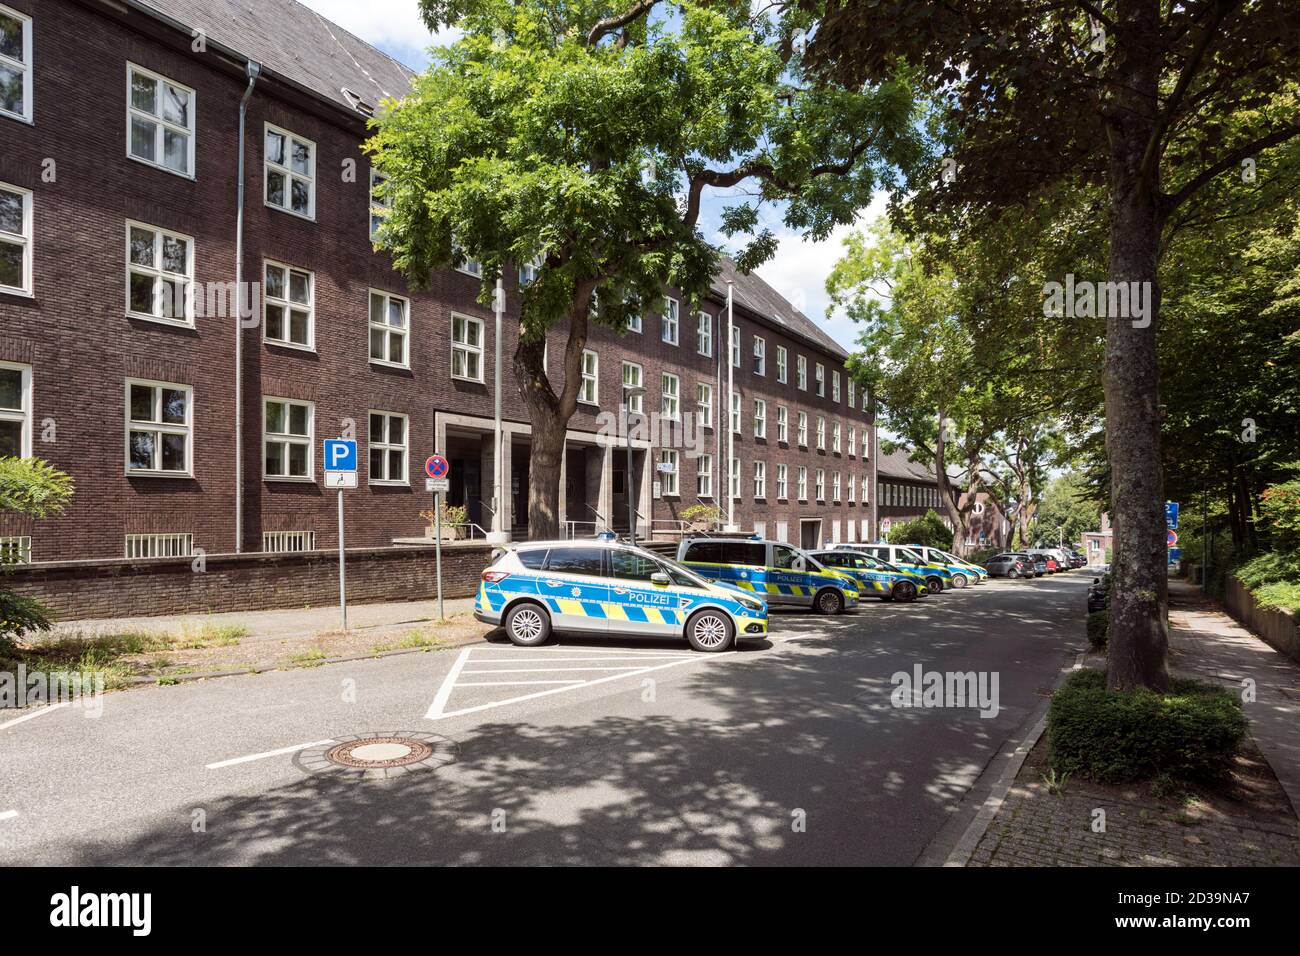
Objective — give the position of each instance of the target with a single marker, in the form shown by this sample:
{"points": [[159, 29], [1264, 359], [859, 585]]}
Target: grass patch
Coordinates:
{"points": [[208, 634], [1192, 732], [307, 659]]}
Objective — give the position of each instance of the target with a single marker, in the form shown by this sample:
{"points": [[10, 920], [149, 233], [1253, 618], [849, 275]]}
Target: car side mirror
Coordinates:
{"points": [[659, 579], [1096, 580], [799, 564]]}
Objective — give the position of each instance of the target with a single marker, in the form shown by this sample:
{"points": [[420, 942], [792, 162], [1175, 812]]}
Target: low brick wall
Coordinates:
{"points": [[77, 590], [1277, 628]]}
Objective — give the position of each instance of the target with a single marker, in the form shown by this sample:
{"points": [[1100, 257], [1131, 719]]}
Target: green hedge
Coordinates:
{"points": [[1192, 732], [1099, 628]]}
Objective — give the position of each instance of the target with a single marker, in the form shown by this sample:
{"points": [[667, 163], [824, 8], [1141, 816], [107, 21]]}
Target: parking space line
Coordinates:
{"points": [[548, 670], [32, 716], [437, 710], [8, 814], [269, 753], [640, 657], [512, 683]]}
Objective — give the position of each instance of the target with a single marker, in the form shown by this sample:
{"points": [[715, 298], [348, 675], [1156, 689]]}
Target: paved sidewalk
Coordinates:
{"points": [[1086, 825], [280, 624]]}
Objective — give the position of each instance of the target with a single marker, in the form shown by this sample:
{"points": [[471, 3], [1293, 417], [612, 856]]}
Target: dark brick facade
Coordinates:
{"points": [[81, 346]]}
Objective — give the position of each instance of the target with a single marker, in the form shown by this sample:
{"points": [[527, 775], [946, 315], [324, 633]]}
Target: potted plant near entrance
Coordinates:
{"points": [[702, 517], [454, 519]]}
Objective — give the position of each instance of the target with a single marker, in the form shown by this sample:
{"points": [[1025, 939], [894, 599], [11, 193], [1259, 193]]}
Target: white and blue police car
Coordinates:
{"points": [[605, 587]]}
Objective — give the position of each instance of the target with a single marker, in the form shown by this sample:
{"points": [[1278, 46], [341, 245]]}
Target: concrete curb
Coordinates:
{"points": [[936, 854]]}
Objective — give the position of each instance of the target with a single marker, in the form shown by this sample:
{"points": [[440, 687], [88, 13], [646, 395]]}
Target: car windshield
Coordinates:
{"points": [[679, 573], [909, 555]]}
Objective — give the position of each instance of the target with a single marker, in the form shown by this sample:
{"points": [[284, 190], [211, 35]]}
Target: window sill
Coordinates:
{"points": [[142, 473], [380, 362], [19, 293], [5, 114], [297, 480], [289, 345], [159, 320], [389, 483], [160, 167], [289, 212], [472, 381]]}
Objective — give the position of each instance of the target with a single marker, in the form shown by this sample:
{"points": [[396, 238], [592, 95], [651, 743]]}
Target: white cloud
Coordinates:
{"points": [[393, 26], [799, 269]]}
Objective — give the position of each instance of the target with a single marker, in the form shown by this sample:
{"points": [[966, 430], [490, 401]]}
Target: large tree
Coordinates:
{"points": [[1132, 95], [584, 136]]}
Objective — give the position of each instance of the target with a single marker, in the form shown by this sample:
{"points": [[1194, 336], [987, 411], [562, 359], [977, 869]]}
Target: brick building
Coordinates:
{"points": [[119, 226], [905, 490]]}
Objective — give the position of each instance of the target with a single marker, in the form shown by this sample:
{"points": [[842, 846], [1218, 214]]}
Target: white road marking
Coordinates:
{"points": [[270, 753], [533, 660], [548, 670], [34, 714], [8, 815], [436, 710], [513, 683], [444, 692]]}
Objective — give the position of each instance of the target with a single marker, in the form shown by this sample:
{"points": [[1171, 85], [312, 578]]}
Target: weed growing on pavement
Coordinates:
{"points": [[1055, 782], [307, 659]]}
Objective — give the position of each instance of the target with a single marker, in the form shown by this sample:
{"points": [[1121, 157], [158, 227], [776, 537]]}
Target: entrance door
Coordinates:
{"points": [[810, 533]]}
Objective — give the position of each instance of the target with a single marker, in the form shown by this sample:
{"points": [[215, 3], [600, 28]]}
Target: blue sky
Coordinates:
{"points": [[799, 269]]}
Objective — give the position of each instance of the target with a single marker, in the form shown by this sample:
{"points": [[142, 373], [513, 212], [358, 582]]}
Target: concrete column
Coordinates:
{"points": [[503, 520], [563, 506], [646, 493], [600, 480]]}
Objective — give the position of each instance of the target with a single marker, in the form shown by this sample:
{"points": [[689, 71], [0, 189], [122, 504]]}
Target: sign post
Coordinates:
{"points": [[438, 469], [341, 472]]}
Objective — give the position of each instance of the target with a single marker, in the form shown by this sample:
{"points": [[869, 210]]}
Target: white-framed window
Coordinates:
{"points": [[781, 486], [289, 170], [865, 399], [760, 418], [466, 348], [735, 412], [801, 372], [851, 390], [288, 304], [819, 487], [853, 484], [782, 424], [159, 274], [853, 441], [159, 428], [159, 121], [801, 429], [668, 474], [390, 324], [669, 329], [835, 386], [733, 477], [760, 356], [175, 545], [287, 430], [704, 333], [821, 433], [388, 448], [670, 406], [15, 410], [15, 549], [820, 378], [380, 205], [801, 483], [704, 404], [704, 477], [866, 443], [15, 239], [283, 542], [633, 377], [529, 271], [835, 487], [473, 267], [634, 323], [835, 438], [760, 480], [589, 390], [15, 64], [782, 369], [735, 346]]}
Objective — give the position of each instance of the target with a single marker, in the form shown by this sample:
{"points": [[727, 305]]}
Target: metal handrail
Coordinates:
{"points": [[472, 528], [571, 528]]}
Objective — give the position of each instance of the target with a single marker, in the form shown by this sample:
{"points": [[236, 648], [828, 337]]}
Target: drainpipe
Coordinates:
{"points": [[732, 528], [499, 534], [254, 70]]}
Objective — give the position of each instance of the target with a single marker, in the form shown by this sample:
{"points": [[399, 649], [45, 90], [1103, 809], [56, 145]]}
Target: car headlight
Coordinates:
{"points": [[750, 604]]}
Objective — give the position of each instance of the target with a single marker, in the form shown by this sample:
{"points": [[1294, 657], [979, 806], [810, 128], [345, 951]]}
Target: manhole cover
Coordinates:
{"points": [[378, 756]]}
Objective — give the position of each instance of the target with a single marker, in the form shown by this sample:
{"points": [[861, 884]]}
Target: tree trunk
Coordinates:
{"points": [[549, 415], [1139, 640]]}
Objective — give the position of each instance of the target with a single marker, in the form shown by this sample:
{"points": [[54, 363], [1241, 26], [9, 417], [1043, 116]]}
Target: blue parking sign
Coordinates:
{"points": [[1171, 515], [340, 455]]}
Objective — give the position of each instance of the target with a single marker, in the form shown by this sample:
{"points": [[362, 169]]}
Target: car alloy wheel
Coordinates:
{"points": [[709, 631], [905, 591], [527, 625], [830, 602], [959, 581]]}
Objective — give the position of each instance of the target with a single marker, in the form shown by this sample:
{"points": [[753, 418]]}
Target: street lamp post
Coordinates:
{"points": [[500, 533], [630, 392]]}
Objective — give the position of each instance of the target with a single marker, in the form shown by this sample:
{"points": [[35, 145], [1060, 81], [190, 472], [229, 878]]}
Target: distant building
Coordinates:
{"points": [[905, 491], [989, 527], [1097, 544]]}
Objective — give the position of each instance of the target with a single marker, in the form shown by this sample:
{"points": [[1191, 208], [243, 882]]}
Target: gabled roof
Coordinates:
{"points": [[895, 464], [297, 43], [758, 297]]}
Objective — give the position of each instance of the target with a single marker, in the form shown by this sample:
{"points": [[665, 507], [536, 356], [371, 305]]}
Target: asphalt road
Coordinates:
{"points": [[582, 752]]}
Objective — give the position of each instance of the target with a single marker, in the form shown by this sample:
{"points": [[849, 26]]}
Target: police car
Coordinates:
{"points": [[604, 587], [937, 576], [781, 573], [963, 572], [874, 576]]}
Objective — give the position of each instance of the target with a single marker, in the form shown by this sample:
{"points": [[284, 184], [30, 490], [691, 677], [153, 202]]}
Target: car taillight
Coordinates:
{"points": [[492, 577]]}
